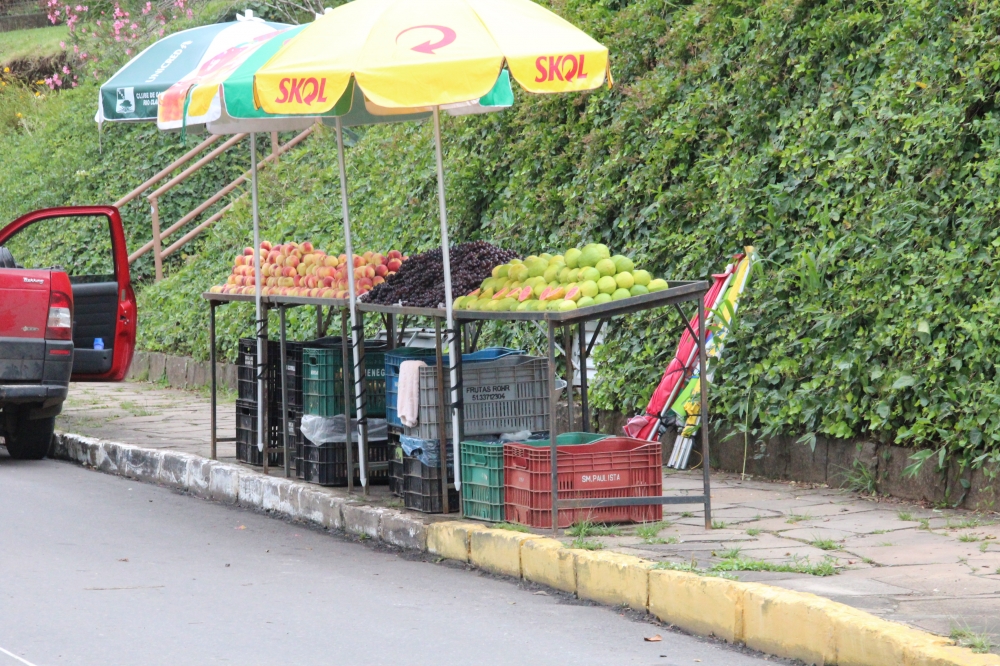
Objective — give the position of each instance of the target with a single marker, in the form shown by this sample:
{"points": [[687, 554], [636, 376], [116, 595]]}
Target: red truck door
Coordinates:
{"points": [[88, 244]]}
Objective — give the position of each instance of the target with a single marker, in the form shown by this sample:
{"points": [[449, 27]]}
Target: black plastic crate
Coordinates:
{"points": [[246, 434], [422, 487], [396, 477], [326, 464], [246, 362]]}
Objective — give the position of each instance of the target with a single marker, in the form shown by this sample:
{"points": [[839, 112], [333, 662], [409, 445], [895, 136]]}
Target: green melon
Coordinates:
{"points": [[638, 290], [657, 285], [606, 267], [625, 280], [589, 288], [642, 277], [601, 299], [607, 285], [584, 302], [620, 294], [623, 264], [573, 257]]}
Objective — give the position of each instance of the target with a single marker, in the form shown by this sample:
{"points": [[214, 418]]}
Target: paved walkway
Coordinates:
{"points": [[936, 569]]}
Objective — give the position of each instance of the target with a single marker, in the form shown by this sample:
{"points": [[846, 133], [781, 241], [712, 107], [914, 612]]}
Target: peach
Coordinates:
{"points": [[369, 271], [301, 269], [333, 262], [306, 246], [265, 245], [239, 261], [378, 280], [328, 293], [376, 260], [328, 282], [367, 255], [394, 264], [395, 254], [381, 270], [292, 261], [364, 283], [248, 251]]}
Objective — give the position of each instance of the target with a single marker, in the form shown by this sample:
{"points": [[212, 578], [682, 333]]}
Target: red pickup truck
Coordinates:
{"points": [[67, 311]]}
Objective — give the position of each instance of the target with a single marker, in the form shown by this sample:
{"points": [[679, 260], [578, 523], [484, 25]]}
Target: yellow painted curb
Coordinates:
{"points": [[770, 619], [548, 562], [699, 604], [451, 539], [789, 624], [497, 550], [612, 578]]}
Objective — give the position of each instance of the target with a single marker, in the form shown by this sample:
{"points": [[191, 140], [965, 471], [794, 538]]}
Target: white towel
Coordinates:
{"points": [[408, 392]]}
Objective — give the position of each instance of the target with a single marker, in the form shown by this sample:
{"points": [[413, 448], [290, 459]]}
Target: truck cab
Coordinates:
{"points": [[67, 312]]}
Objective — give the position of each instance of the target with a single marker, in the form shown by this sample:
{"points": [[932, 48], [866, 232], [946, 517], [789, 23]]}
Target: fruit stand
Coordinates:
{"points": [[553, 305], [675, 294]]}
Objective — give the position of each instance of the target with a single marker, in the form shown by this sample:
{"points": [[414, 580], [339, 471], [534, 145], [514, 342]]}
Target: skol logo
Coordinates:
{"points": [[301, 91], [560, 68]]}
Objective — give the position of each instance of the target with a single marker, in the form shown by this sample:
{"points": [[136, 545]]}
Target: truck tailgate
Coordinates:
{"points": [[24, 310]]}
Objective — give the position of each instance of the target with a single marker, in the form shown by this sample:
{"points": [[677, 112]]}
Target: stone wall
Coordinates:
{"points": [[179, 371]]}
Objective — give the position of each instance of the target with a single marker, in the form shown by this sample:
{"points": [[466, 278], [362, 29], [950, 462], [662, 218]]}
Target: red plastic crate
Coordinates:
{"points": [[613, 467]]}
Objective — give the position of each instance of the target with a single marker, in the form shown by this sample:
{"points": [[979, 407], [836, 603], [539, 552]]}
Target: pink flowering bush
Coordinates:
{"points": [[105, 34]]}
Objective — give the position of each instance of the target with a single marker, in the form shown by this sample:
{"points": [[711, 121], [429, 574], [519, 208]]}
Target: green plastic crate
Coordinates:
{"points": [[323, 382], [568, 439], [482, 481]]}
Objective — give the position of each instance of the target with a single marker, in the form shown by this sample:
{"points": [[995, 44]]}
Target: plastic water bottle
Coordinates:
{"points": [[98, 343]]}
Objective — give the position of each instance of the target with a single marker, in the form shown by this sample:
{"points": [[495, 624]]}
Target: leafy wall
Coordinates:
{"points": [[855, 143]]}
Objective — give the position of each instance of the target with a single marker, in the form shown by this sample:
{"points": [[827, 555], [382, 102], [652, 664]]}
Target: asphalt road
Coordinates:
{"points": [[96, 569]]}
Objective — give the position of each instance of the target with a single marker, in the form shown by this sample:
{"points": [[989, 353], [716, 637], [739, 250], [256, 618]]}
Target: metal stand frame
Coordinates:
{"points": [[677, 293]]}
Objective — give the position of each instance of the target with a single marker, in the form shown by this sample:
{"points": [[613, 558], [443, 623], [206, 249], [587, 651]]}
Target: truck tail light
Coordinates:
{"points": [[60, 323]]}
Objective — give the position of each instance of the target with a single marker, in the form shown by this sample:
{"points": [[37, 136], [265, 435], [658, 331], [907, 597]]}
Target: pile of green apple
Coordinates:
{"points": [[577, 279]]}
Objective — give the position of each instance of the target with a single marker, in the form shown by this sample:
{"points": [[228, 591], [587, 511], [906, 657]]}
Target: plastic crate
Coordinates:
{"points": [[395, 358], [482, 480], [508, 395], [482, 473], [323, 380], [422, 487], [246, 435], [396, 473], [326, 464], [246, 370], [612, 467]]}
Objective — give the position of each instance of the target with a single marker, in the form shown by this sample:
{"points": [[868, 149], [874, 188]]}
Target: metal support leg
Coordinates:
{"points": [[345, 364], [284, 389], [211, 356], [703, 391], [553, 427], [361, 388], [584, 403], [443, 419], [265, 395], [320, 324], [390, 331], [568, 346]]}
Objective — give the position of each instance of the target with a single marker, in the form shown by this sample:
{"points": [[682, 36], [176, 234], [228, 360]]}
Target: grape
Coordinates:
{"points": [[420, 280]]}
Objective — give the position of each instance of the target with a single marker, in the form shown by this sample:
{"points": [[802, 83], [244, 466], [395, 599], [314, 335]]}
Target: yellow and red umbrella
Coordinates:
{"points": [[416, 55]]}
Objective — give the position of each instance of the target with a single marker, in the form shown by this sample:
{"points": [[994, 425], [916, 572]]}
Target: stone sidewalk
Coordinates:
{"points": [[937, 569]]}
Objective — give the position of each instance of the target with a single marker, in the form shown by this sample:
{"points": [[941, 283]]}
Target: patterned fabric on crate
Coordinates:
{"points": [[408, 402]]}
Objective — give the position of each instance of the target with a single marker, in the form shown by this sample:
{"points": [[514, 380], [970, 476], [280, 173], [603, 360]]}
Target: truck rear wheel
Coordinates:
{"points": [[29, 439]]}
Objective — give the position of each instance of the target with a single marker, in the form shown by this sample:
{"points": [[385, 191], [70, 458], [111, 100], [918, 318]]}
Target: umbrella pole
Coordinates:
{"points": [[453, 349], [349, 251], [257, 295]]}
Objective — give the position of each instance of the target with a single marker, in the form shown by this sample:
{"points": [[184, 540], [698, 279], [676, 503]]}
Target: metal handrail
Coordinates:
{"points": [[156, 243], [180, 161]]}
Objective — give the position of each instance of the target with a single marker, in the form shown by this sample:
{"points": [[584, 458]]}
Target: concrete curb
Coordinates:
{"points": [[773, 620]]}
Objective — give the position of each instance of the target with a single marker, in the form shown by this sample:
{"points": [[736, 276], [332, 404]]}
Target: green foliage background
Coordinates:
{"points": [[853, 142]]}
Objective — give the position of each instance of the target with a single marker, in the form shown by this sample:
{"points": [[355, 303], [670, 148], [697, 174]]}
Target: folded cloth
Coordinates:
{"points": [[408, 393]]}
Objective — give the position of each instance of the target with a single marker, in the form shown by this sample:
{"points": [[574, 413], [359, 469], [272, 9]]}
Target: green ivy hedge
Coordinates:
{"points": [[854, 143]]}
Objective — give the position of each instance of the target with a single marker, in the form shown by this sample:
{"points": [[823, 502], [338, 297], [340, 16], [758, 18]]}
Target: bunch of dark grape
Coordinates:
{"points": [[420, 280]]}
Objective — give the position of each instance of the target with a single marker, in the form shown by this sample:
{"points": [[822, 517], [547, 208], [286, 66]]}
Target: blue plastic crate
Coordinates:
{"points": [[395, 358]]}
